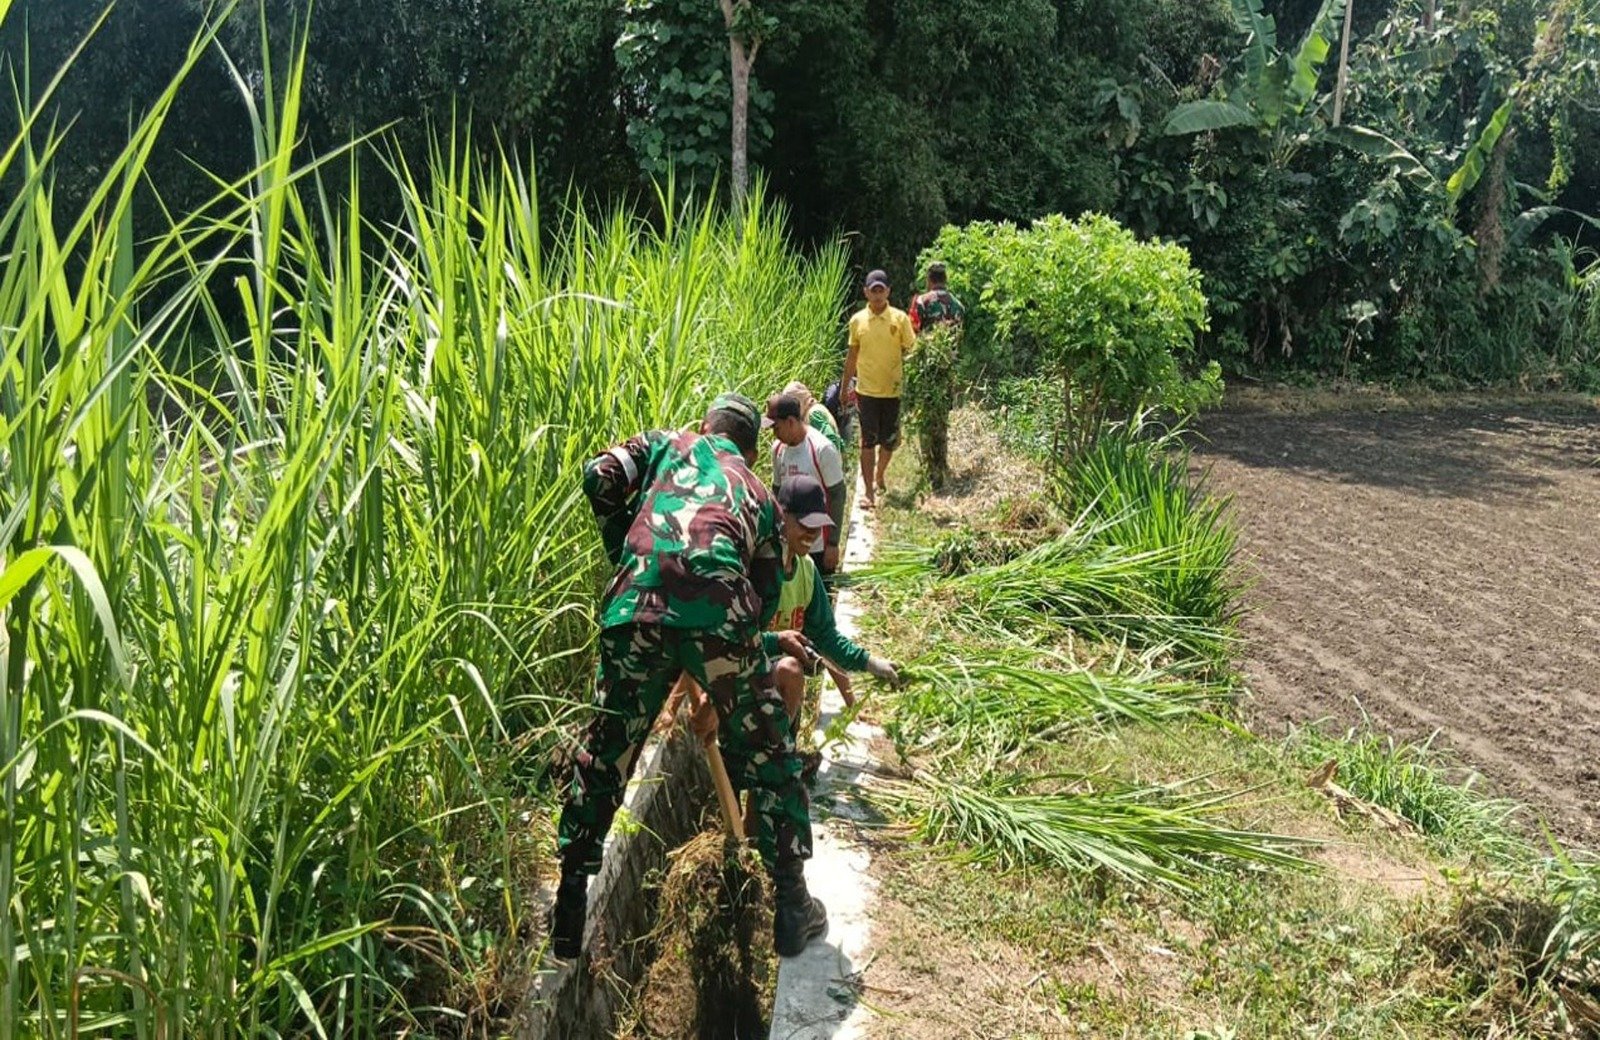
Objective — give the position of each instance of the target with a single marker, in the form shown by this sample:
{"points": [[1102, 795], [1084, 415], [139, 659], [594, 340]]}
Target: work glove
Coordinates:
{"points": [[883, 668]]}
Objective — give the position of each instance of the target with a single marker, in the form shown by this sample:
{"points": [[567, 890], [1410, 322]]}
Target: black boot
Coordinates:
{"points": [[798, 916], [567, 917]]}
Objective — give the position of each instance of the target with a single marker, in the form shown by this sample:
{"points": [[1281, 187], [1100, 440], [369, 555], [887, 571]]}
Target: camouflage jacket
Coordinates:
{"points": [[935, 307], [694, 534]]}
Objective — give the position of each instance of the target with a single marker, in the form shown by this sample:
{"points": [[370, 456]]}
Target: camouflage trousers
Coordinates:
{"points": [[639, 663]]}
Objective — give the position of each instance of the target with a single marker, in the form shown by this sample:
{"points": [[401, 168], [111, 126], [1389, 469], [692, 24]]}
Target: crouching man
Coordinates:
{"points": [[696, 540], [802, 634]]}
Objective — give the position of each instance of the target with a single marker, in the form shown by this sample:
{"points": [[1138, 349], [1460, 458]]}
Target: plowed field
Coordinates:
{"points": [[1436, 570]]}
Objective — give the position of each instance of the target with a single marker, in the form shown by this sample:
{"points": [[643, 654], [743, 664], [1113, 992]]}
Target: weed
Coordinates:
{"points": [[1414, 780]]}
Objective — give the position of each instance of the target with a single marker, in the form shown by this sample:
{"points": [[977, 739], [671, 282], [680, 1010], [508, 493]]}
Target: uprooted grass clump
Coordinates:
{"points": [[714, 970], [1010, 701], [1141, 833]]}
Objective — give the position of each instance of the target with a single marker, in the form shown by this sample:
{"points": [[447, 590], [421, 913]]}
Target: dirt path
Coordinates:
{"points": [[1438, 570]]}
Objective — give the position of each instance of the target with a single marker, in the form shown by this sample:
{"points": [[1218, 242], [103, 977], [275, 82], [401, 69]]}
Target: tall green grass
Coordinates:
{"points": [[1134, 486], [272, 646]]}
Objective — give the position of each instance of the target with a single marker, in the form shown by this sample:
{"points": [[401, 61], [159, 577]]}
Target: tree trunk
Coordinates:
{"points": [[741, 121], [1344, 63], [741, 59], [1489, 229], [1427, 15]]}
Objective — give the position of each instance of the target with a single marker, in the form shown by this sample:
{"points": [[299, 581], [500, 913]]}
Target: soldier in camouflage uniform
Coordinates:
{"points": [[696, 538], [938, 306]]}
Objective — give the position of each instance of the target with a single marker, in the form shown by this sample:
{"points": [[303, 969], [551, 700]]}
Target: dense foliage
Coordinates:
{"points": [[1430, 234], [1415, 238]]}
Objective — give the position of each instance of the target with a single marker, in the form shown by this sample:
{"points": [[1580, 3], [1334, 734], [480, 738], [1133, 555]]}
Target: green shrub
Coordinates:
{"points": [[1109, 319], [929, 395]]}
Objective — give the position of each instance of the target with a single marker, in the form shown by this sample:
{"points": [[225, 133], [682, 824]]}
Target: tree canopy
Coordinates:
{"points": [[1454, 199]]}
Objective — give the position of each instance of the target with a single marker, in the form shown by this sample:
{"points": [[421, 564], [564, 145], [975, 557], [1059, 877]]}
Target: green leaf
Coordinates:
{"points": [[1529, 222], [1314, 50], [1477, 156], [1371, 143], [1198, 117], [19, 572], [1272, 92], [1263, 37]]}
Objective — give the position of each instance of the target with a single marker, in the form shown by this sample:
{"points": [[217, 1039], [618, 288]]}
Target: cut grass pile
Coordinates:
{"points": [[1075, 633], [1142, 834], [1011, 701], [714, 970], [1138, 556]]}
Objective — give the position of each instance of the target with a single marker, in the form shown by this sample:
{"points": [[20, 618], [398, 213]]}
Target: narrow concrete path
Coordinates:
{"points": [[817, 997]]}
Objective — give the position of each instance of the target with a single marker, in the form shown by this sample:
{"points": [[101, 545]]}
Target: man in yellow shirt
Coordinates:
{"points": [[880, 339]]}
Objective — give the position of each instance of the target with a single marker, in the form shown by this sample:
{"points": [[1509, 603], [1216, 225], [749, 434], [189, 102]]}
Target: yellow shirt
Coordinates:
{"points": [[884, 340]]}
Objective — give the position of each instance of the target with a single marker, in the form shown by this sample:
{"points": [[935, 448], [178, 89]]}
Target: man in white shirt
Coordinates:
{"points": [[801, 449]]}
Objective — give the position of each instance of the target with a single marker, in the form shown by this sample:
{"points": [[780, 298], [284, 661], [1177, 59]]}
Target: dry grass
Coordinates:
{"points": [[714, 970]]}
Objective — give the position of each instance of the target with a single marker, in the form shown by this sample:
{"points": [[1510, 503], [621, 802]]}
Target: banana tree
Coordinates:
{"points": [[1271, 84]]}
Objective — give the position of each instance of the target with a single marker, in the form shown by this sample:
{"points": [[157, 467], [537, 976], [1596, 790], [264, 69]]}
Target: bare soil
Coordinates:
{"points": [[1428, 570]]}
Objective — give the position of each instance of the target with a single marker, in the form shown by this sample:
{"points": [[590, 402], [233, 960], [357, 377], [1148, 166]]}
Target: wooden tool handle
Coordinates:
{"points": [[725, 795], [687, 690]]}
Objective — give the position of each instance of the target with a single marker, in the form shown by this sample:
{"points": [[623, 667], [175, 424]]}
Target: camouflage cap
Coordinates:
{"points": [[739, 405]]}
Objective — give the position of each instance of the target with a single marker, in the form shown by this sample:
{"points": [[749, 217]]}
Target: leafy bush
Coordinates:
{"points": [[1110, 319], [929, 395]]}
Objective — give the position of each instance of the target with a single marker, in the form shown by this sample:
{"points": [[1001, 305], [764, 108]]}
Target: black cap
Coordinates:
{"points": [[782, 406], [803, 498], [876, 277]]}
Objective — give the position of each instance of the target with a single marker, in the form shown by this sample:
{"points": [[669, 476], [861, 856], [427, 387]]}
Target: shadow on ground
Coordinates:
{"points": [[1458, 452]]}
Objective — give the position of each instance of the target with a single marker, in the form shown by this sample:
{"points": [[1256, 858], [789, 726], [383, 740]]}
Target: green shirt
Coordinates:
{"points": [[803, 606], [694, 534], [821, 420]]}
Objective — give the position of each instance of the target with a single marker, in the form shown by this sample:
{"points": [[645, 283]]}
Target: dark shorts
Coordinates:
{"points": [[880, 421]]}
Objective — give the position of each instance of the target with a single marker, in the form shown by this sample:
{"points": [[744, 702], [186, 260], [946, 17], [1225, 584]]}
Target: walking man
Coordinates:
{"points": [[880, 338], [938, 306], [801, 450], [696, 539]]}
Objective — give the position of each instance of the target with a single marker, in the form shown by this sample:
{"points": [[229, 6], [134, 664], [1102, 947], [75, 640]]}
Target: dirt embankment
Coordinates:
{"points": [[1437, 570]]}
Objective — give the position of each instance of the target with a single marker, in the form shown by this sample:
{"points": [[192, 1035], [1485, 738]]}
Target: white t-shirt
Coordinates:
{"points": [[816, 457]]}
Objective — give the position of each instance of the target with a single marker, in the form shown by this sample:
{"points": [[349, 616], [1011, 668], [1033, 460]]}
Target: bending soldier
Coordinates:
{"points": [[695, 537]]}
